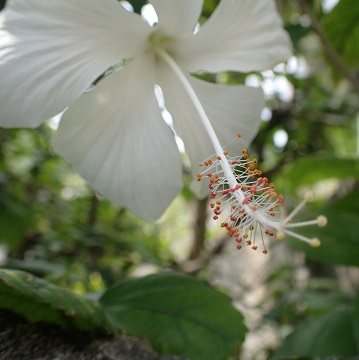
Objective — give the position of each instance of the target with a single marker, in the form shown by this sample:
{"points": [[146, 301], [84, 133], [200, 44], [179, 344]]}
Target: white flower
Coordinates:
{"points": [[51, 51]]}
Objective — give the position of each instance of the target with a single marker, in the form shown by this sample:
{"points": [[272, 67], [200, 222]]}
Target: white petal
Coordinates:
{"points": [[117, 140], [241, 35], [177, 18], [51, 51], [231, 109]]}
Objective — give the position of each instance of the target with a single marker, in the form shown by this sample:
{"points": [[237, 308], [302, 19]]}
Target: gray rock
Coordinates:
{"points": [[20, 340]]}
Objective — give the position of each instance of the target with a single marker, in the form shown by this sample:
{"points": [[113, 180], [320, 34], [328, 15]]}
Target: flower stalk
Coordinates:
{"points": [[255, 208]]}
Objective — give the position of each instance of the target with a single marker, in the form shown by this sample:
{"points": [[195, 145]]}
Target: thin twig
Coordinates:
{"points": [[199, 229], [194, 266]]}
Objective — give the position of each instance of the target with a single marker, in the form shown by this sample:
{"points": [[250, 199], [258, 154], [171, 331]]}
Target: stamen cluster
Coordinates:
{"points": [[255, 208]]}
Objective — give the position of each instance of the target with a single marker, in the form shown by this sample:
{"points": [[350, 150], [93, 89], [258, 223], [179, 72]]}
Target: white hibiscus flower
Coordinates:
{"points": [[51, 51]]}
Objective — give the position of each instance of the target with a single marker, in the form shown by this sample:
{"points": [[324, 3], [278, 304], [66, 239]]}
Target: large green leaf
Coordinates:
{"points": [[177, 314], [40, 301], [329, 335], [342, 28]]}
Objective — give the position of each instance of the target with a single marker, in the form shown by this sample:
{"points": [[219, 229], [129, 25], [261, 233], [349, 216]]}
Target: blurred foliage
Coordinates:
{"points": [[337, 30], [54, 226], [38, 300]]}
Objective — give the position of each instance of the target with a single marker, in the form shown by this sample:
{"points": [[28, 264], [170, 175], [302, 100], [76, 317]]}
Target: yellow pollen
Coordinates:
{"points": [[308, 196], [322, 221], [315, 242]]}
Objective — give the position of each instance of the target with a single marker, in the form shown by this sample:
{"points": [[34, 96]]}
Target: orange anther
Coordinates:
{"points": [[246, 200], [239, 135], [199, 177], [225, 153], [213, 195], [239, 247], [219, 158], [254, 247], [265, 251]]}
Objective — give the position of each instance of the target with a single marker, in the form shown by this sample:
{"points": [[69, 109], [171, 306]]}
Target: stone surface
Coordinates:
{"points": [[20, 340]]}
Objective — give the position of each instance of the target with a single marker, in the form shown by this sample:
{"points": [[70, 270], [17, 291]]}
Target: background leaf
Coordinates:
{"points": [[321, 337], [177, 314], [311, 169], [40, 301], [339, 238]]}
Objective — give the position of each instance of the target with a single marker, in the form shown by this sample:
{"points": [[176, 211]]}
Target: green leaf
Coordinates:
{"points": [[339, 239], [40, 301], [37, 267], [323, 302], [330, 335], [311, 169], [177, 314], [342, 29]]}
